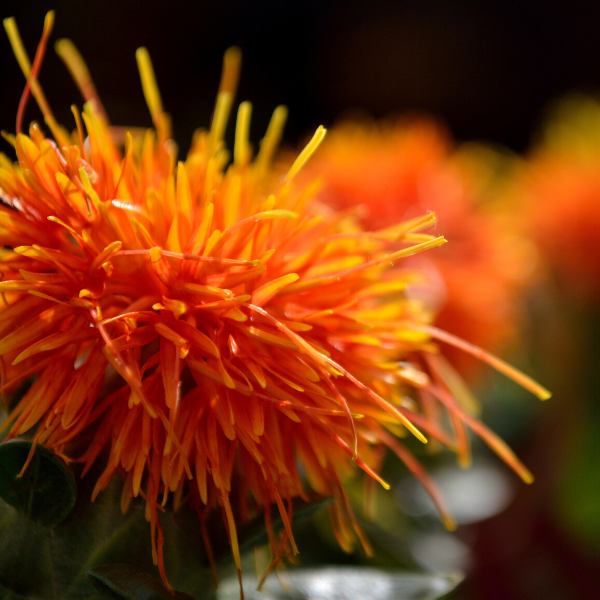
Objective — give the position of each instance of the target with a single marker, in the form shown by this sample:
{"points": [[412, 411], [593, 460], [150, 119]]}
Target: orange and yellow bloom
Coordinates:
{"points": [[206, 321]]}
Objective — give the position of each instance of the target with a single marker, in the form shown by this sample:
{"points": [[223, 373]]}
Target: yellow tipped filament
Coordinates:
{"points": [[149, 86], [220, 118], [272, 137], [79, 125], [10, 25], [232, 63], [518, 376], [305, 155], [78, 69], [9, 137], [241, 147], [74, 61]]}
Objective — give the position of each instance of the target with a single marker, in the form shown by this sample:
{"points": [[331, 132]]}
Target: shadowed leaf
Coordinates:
{"points": [[126, 581], [46, 493]]}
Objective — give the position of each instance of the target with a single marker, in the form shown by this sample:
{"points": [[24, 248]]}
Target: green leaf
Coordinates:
{"points": [[46, 493], [127, 581], [26, 569], [577, 497], [7, 594], [38, 563]]}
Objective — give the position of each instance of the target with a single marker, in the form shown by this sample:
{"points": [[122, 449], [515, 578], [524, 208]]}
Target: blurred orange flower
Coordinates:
{"points": [[561, 189], [206, 321], [396, 169]]}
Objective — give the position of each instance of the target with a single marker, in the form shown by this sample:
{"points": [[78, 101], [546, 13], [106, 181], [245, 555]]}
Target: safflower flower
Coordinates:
{"points": [[206, 321], [560, 193], [398, 168]]}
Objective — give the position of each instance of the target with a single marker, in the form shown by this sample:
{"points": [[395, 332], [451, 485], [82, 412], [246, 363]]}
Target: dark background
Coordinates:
{"points": [[487, 68]]}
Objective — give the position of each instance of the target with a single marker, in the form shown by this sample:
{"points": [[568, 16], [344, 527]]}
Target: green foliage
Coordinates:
{"points": [[577, 499], [46, 493], [51, 536], [125, 581]]}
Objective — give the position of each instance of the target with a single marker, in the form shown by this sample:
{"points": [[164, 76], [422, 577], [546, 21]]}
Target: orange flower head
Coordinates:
{"points": [[397, 169], [206, 322]]}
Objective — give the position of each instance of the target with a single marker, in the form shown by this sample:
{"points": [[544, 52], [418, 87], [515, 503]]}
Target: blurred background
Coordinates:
{"points": [[489, 72], [488, 69]]}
